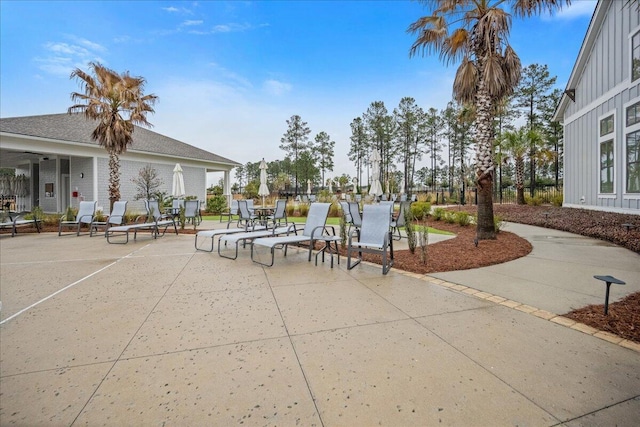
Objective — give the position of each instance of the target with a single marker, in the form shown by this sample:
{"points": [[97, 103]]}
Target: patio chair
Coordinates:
{"points": [[176, 204], [237, 238], [399, 221], [374, 237], [14, 221], [219, 232], [280, 214], [388, 204], [250, 206], [345, 211], [116, 217], [86, 212], [314, 227], [192, 212], [156, 218], [246, 216], [233, 210], [356, 218], [403, 197]]}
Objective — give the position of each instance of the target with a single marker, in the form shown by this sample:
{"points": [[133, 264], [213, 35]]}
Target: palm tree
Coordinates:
{"points": [[515, 145], [117, 102], [476, 31]]}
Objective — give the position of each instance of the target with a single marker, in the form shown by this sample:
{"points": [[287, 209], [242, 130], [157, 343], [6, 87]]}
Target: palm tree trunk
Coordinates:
{"points": [[114, 179], [520, 181], [484, 165]]}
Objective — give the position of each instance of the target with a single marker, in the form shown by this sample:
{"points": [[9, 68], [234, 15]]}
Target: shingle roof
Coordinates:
{"points": [[76, 128]]}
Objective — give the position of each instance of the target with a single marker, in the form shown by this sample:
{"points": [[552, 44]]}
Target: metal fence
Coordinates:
{"points": [[542, 194]]}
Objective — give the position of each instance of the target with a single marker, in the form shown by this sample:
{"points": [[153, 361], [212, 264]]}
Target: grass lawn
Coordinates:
{"points": [[330, 221]]}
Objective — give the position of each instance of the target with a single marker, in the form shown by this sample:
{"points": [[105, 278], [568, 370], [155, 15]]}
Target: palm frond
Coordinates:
{"points": [[465, 82]]}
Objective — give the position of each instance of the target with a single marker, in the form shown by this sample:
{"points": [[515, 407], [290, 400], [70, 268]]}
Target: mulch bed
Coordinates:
{"points": [[623, 318]]}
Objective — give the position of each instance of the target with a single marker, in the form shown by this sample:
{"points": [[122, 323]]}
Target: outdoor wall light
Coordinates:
{"points": [[81, 175]]}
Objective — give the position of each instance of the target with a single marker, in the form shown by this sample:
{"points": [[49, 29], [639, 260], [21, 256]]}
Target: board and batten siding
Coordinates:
{"points": [[603, 88]]}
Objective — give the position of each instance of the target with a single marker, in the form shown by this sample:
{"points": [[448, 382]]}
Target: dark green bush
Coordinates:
{"points": [[462, 218], [216, 204], [438, 214], [420, 210]]}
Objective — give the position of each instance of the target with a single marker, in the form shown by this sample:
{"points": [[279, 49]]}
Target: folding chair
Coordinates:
{"points": [[374, 237]]}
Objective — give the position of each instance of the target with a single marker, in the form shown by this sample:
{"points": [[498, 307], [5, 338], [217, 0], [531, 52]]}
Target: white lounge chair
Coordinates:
{"points": [[218, 232], [155, 220], [86, 212], [116, 217], [313, 228], [374, 237], [17, 220], [237, 238]]}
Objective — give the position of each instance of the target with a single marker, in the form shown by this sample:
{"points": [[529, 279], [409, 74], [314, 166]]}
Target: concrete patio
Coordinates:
{"points": [[154, 333]]}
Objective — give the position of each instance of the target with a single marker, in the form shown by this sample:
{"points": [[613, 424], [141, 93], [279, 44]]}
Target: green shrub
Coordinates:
{"points": [[290, 209], [409, 228], [334, 210], [129, 217], [70, 214], [438, 214], [450, 217], [462, 218], [557, 200], [216, 204], [304, 209], [533, 201], [99, 216], [343, 232], [420, 210]]}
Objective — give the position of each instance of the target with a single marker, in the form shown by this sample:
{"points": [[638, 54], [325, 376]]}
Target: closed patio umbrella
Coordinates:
{"points": [[330, 186], [178, 182], [376, 187], [309, 187], [264, 189]]}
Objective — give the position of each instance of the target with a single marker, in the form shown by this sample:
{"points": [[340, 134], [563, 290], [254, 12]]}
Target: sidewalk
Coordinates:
{"points": [[557, 275], [155, 333]]}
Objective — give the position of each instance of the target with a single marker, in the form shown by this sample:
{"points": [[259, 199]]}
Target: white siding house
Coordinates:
{"points": [[64, 165], [600, 111]]}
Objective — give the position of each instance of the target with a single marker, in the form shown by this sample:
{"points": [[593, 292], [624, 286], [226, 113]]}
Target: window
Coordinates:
{"points": [[606, 149], [606, 125], [606, 166], [633, 162], [633, 114], [635, 56], [632, 149]]}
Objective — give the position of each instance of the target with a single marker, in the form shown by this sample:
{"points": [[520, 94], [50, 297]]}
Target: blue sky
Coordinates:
{"points": [[229, 74]]}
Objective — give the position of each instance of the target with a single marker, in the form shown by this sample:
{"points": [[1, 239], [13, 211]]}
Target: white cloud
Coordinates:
{"points": [[230, 28], [577, 9], [229, 75], [190, 23], [274, 87], [60, 58], [170, 9]]}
